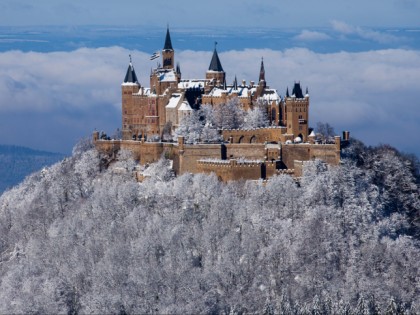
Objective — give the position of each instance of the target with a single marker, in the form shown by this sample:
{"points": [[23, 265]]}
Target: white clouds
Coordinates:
{"points": [[373, 94], [365, 33], [306, 35]]}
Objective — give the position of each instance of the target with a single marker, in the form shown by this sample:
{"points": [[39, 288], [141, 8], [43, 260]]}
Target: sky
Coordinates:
{"points": [[362, 71], [180, 13]]}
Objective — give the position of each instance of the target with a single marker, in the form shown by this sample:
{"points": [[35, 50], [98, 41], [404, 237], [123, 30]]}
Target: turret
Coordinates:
{"points": [[215, 71], [168, 53], [130, 76], [296, 113], [261, 80], [129, 87]]}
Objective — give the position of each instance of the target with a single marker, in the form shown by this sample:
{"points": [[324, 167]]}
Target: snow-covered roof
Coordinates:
{"points": [[270, 95], [143, 91], [242, 91], [193, 83], [174, 100], [167, 76], [130, 84], [185, 106]]}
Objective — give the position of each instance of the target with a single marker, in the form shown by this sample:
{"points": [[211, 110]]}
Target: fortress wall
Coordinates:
{"points": [[249, 151], [147, 152], [292, 152], [144, 152], [261, 135], [330, 153], [325, 152], [189, 154], [270, 169], [109, 147], [231, 170]]}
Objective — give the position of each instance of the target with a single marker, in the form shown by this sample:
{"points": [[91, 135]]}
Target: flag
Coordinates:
{"points": [[155, 55]]}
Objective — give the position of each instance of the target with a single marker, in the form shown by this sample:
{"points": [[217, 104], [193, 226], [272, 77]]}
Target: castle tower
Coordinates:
{"points": [[261, 80], [296, 113], [128, 88], [168, 53], [215, 71]]}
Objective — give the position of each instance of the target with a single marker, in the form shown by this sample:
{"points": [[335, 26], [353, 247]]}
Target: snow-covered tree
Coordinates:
{"points": [[77, 238], [324, 132], [255, 118]]}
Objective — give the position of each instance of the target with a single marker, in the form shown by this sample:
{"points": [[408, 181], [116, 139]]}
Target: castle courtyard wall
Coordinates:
{"points": [[257, 135], [229, 161]]}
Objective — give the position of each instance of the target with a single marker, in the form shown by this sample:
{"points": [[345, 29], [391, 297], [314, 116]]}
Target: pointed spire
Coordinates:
{"points": [[287, 92], [224, 85], [178, 68], [235, 84], [215, 64], [168, 43], [262, 71], [307, 91], [130, 76], [297, 90]]}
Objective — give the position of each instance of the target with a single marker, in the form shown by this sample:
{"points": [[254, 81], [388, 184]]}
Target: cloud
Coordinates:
{"points": [[49, 100], [365, 33], [306, 35]]}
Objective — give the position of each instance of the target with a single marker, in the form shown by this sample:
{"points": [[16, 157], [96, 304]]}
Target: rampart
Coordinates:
{"points": [[229, 161], [236, 169], [329, 153], [144, 152], [257, 135]]}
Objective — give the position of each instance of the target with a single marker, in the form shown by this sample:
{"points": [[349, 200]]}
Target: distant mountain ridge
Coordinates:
{"points": [[17, 162]]}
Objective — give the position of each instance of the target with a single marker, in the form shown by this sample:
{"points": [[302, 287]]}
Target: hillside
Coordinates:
{"points": [[77, 238], [18, 162]]}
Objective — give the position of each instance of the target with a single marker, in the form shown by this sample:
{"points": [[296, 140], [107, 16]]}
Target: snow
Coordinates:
{"points": [[174, 100], [143, 91], [270, 95], [168, 77], [193, 83], [242, 91], [129, 84], [185, 106], [312, 134], [298, 139]]}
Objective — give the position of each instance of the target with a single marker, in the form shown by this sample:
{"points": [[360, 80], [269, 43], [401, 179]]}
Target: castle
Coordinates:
{"points": [[149, 112]]}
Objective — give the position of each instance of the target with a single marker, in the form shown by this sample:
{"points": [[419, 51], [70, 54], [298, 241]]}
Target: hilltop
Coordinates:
{"points": [[79, 237]]}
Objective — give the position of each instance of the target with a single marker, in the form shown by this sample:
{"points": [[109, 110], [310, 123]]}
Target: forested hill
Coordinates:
{"points": [[77, 238], [18, 162]]}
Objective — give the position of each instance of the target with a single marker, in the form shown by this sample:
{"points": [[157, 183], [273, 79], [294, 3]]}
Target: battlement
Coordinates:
{"points": [[229, 163]]}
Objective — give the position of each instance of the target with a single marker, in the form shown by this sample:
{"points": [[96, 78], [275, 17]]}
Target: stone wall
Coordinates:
{"points": [[257, 135], [230, 161], [254, 151], [189, 154], [227, 170], [329, 153]]}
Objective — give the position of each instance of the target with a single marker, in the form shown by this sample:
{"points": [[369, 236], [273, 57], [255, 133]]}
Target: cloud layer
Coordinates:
{"points": [[49, 100]]}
